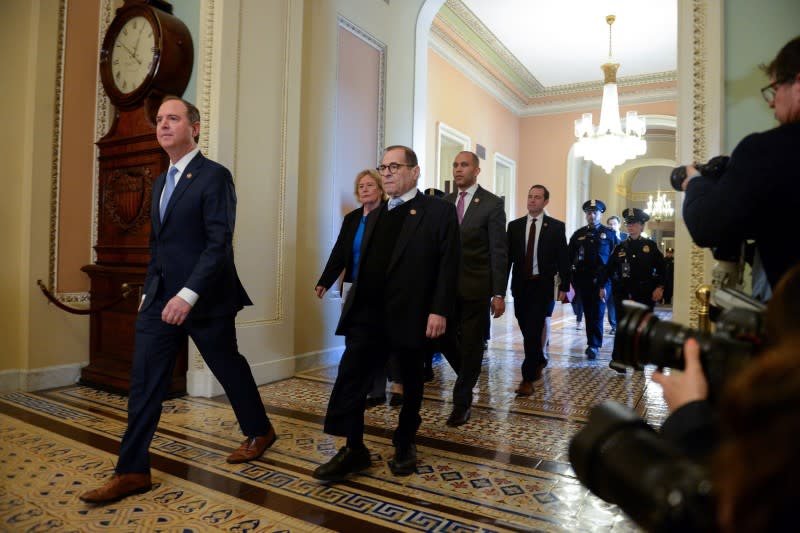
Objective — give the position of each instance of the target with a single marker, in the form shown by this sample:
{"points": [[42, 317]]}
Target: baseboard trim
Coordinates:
{"points": [[40, 378]]}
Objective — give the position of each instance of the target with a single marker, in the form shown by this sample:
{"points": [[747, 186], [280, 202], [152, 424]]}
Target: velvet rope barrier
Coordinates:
{"points": [[127, 290]]}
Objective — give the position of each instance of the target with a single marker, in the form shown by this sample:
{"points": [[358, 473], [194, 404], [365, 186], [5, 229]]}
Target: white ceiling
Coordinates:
{"points": [[563, 42]]}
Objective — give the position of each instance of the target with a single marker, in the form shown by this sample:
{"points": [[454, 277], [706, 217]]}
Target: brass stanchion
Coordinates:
{"points": [[703, 295]]}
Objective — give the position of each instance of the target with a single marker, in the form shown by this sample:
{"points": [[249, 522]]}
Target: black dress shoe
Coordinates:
{"points": [[347, 461], [404, 462], [459, 416], [396, 399], [591, 352], [376, 401]]}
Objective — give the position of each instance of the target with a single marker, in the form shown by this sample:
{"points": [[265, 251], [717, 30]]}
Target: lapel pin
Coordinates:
{"points": [[545, 224], [412, 212], [477, 200], [189, 176]]}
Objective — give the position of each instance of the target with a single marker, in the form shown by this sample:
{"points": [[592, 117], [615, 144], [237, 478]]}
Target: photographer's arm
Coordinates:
{"points": [[692, 425]]}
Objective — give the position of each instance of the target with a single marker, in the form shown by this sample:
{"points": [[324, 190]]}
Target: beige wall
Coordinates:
{"points": [[461, 104], [33, 334], [392, 24]]}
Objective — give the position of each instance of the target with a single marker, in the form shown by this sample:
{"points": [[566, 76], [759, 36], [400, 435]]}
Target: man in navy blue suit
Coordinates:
{"points": [[191, 289]]}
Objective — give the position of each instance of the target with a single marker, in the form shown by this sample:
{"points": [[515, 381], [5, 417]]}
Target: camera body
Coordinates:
{"points": [[713, 169], [642, 338]]}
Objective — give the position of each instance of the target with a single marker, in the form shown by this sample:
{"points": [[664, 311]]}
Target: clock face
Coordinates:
{"points": [[133, 54]]}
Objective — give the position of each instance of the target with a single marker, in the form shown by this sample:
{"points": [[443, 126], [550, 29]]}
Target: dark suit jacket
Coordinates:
{"points": [[419, 278], [341, 257], [484, 248], [193, 246], [551, 253]]}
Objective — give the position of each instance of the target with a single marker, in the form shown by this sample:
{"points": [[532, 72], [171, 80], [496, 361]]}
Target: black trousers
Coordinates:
{"points": [[463, 347], [156, 347], [364, 352], [531, 306], [593, 309]]}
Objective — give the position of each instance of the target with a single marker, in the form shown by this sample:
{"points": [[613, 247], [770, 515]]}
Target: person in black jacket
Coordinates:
{"points": [[537, 251], [636, 268], [589, 250], [402, 296], [761, 179], [345, 256]]}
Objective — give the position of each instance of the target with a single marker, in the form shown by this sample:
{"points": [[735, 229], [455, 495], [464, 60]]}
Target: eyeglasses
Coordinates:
{"points": [[392, 167], [769, 91]]}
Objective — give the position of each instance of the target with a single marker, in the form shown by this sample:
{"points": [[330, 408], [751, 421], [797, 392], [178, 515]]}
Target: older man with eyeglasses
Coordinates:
{"points": [[404, 291], [760, 188]]}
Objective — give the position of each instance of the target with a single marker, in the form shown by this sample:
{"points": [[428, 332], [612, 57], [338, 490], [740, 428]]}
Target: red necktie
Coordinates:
{"points": [[460, 206], [529, 249]]}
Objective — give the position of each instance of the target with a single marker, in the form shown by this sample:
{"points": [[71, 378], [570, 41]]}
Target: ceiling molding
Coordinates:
{"points": [[466, 43]]}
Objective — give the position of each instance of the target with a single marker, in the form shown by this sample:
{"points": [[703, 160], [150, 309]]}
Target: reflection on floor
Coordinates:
{"points": [[505, 470]]}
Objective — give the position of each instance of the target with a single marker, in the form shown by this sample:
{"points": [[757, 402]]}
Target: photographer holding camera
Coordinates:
{"points": [[726, 458], [761, 179]]}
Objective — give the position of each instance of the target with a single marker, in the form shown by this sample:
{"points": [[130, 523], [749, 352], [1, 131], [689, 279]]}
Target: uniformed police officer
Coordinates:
{"points": [[589, 250], [636, 268]]}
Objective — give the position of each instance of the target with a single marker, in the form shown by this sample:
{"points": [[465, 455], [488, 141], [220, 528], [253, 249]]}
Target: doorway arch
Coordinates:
{"points": [[700, 97]]}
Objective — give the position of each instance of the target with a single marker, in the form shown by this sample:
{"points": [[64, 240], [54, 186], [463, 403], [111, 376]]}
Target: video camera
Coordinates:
{"points": [[621, 459]]}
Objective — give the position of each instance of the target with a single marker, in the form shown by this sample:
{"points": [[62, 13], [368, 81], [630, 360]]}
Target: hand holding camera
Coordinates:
{"points": [[713, 169], [688, 386]]}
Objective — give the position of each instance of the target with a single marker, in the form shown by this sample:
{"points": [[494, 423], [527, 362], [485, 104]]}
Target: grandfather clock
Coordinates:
{"points": [[146, 54]]}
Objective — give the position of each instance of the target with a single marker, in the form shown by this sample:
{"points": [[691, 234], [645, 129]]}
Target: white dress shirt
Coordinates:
{"points": [[539, 220]]}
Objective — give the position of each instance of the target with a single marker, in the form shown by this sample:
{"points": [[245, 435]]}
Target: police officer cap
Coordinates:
{"points": [[434, 192], [634, 214], [594, 205]]}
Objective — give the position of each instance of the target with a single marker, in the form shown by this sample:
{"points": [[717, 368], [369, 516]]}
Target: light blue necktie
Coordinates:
{"points": [[169, 187], [394, 202]]}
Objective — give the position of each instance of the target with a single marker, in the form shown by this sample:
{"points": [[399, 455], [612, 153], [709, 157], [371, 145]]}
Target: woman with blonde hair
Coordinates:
{"points": [[346, 254]]}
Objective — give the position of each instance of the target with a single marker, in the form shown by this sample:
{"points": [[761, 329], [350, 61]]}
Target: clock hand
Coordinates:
{"points": [[130, 52], [136, 46]]}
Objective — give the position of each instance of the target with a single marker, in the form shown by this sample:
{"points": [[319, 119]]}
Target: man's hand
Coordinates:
{"points": [[603, 294], [691, 171], [658, 294], [320, 290], [175, 311], [684, 387], [436, 326], [498, 306], [562, 297]]}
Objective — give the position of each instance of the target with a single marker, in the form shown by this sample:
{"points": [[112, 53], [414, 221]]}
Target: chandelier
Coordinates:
{"points": [[659, 209], [607, 145]]}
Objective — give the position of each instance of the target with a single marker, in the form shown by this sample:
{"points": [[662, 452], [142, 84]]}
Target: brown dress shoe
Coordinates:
{"points": [[118, 487], [253, 447], [539, 371], [525, 388]]}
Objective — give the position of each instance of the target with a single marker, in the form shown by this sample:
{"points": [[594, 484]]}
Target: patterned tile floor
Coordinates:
{"points": [[505, 470]]}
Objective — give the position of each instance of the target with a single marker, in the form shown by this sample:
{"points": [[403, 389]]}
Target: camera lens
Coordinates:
{"points": [[624, 461], [642, 338]]}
